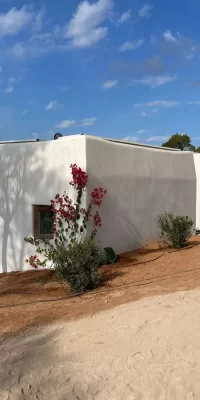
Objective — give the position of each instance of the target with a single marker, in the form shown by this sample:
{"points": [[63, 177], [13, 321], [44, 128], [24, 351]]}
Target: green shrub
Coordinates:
{"points": [[79, 263], [175, 229]]}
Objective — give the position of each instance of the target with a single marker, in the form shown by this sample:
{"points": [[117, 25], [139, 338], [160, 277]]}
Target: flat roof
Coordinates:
{"points": [[140, 144], [96, 137]]}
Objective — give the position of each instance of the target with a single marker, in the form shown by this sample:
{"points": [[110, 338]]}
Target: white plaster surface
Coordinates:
{"points": [[141, 183]]}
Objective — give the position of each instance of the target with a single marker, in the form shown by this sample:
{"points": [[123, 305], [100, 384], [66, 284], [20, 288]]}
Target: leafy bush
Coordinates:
{"points": [[78, 264], [70, 220], [175, 229]]}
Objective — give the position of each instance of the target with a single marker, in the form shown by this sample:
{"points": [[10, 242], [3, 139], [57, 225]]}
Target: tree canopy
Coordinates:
{"points": [[178, 141]]}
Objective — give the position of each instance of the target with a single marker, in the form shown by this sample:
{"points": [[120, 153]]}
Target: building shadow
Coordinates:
{"points": [[23, 178]]}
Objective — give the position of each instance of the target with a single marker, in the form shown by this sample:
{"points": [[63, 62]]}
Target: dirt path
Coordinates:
{"points": [[146, 272], [146, 350]]}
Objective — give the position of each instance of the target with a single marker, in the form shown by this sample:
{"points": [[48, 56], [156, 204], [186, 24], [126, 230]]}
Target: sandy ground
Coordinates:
{"points": [[146, 350], [145, 272]]}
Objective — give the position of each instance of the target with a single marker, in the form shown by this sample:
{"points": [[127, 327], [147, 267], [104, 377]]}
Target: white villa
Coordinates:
{"points": [[141, 181]]}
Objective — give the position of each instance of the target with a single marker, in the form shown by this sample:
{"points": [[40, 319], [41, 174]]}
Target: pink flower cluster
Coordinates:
{"points": [[98, 195], [34, 261], [80, 177], [97, 219]]}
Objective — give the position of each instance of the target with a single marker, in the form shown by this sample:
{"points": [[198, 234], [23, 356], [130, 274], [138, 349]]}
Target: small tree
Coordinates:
{"points": [[70, 223], [175, 229], [178, 141]]}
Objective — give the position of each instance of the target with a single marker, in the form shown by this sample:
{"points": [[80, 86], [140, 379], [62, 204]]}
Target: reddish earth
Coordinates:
{"points": [[35, 298]]}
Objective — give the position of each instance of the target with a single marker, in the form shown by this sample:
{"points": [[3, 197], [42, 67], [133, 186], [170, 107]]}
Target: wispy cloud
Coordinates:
{"points": [[145, 11], [169, 37], [130, 139], [9, 89], [52, 106], [12, 80], [65, 88], [39, 20], [157, 139], [88, 121], [127, 46], [148, 114], [1, 70], [110, 84], [15, 20], [125, 16], [67, 123], [24, 111], [141, 131], [85, 27], [154, 81], [149, 66], [158, 103], [144, 114], [178, 46], [35, 46]]}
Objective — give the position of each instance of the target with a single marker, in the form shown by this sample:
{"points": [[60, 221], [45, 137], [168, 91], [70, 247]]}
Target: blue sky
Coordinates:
{"points": [[112, 68]]}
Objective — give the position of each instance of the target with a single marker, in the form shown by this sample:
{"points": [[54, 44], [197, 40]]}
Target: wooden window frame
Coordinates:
{"points": [[36, 222]]}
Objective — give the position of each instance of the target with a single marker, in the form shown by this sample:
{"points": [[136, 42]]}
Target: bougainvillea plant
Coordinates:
{"points": [[70, 220]]}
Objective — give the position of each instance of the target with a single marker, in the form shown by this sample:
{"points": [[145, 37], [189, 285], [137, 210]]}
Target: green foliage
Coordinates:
{"points": [[178, 141], [79, 263], [197, 150], [175, 229], [42, 280]]}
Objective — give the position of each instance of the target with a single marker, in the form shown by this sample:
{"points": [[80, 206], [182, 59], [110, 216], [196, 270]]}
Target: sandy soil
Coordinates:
{"points": [[25, 303], [146, 350]]}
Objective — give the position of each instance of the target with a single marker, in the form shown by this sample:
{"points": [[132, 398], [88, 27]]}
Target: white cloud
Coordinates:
{"points": [[141, 131], [35, 46], [88, 122], [157, 138], [15, 20], [145, 11], [157, 103], [24, 111], [110, 84], [169, 37], [9, 89], [127, 46], [12, 80], [65, 88], [39, 20], [144, 114], [53, 105], [125, 16], [85, 29], [154, 81], [67, 123]]}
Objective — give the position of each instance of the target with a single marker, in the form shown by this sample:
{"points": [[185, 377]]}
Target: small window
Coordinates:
{"points": [[43, 222]]}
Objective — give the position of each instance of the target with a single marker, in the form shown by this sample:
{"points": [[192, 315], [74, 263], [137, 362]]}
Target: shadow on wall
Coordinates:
{"points": [[129, 209], [22, 176]]}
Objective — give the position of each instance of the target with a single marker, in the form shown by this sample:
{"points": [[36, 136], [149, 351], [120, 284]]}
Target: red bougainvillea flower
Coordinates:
{"points": [[98, 195], [80, 177], [97, 219]]}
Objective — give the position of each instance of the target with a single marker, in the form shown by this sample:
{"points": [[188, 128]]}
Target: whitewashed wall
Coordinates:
{"points": [[197, 168], [31, 173], [141, 182]]}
